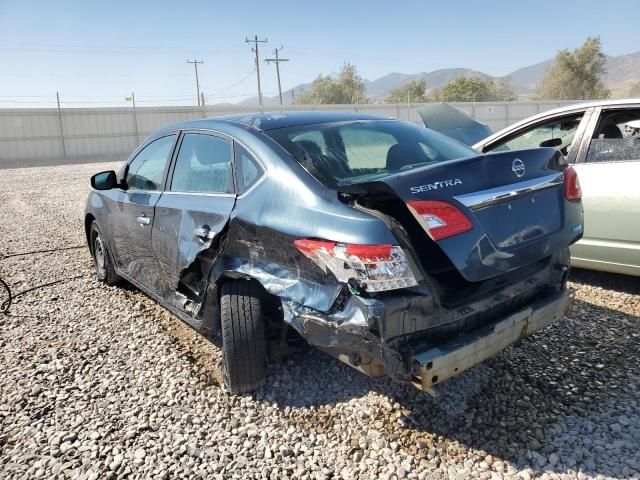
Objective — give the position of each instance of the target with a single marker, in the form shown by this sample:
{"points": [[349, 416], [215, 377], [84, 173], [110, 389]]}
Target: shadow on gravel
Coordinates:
{"points": [[609, 281], [569, 392]]}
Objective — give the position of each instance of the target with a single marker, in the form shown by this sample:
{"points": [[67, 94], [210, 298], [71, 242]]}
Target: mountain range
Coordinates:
{"points": [[623, 71]]}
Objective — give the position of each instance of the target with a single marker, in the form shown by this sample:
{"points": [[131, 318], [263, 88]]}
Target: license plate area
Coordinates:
{"points": [[523, 219]]}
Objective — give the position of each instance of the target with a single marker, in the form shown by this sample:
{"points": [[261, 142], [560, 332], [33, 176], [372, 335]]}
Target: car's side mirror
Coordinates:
{"points": [[104, 180], [552, 142]]}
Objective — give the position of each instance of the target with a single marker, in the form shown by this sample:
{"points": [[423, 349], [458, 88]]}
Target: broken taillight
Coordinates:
{"points": [[439, 219], [572, 190], [375, 267]]}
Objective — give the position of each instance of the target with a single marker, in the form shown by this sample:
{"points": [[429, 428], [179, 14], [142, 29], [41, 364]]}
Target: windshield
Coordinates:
{"points": [[352, 152]]}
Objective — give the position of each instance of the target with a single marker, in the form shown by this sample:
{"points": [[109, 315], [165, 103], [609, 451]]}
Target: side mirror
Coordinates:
{"points": [[552, 142], [104, 180]]}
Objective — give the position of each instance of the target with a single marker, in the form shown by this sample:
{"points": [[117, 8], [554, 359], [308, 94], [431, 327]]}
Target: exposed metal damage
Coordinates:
{"points": [[379, 336]]}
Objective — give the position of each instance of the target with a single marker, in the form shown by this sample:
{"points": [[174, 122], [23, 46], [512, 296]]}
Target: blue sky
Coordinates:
{"points": [[94, 51]]}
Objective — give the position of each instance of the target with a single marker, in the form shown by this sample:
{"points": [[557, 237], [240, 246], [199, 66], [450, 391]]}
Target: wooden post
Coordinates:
{"points": [[64, 148]]}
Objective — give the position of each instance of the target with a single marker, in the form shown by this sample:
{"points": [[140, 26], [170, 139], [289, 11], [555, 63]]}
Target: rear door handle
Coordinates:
{"points": [[204, 233], [143, 220]]}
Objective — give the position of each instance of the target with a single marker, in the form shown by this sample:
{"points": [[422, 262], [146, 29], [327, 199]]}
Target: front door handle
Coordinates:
{"points": [[143, 220], [204, 233]]}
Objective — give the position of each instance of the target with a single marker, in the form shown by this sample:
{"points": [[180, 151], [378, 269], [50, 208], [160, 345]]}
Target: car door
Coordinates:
{"points": [[562, 131], [191, 214], [608, 167], [133, 215]]}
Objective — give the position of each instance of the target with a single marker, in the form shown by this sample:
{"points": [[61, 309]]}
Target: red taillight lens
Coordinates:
{"points": [[308, 247], [572, 190], [376, 267], [440, 219], [369, 252]]}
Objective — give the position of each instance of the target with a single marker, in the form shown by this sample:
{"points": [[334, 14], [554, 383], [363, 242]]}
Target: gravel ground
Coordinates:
{"points": [[100, 382]]}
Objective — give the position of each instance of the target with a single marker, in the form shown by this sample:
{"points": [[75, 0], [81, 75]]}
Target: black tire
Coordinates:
{"points": [[244, 358], [105, 272]]}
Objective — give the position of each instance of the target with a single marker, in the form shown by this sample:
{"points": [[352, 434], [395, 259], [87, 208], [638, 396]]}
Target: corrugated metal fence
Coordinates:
{"points": [[71, 135]]}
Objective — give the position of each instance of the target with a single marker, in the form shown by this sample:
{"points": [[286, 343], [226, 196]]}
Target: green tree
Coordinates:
{"points": [[575, 75], [413, 91], [474, 89], [343, 88], [503, 90], [635, 90]]}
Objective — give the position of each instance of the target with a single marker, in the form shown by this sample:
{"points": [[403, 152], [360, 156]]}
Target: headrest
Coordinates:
{"points": [[402, 154], [610, 131]]}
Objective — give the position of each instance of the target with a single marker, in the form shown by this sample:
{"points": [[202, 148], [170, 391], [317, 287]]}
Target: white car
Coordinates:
{"points": [[602, 141]]}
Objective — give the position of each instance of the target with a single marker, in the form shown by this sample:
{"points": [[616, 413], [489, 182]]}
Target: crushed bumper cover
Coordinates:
{"points": [[434, 365]]}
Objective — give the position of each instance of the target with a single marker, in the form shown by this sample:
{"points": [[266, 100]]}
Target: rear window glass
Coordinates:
{"points": [[351, 152]]}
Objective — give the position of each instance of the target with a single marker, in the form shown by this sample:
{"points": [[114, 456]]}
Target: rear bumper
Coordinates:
{"points": [[434, 365]]}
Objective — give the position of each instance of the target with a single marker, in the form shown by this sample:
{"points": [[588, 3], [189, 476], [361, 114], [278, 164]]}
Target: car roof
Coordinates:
{"points": [[273, 120], [558, 111]]}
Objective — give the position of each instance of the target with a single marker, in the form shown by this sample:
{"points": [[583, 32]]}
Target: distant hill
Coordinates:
{"points": [[287, 97], [381, 87], [623, 71], [529, 76]]}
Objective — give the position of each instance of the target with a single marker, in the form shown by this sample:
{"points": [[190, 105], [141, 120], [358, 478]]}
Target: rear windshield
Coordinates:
{"points": [[352, 152]]}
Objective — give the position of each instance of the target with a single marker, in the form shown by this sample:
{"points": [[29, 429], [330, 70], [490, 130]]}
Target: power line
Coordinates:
{"points": [[277, 62], [159, 101], [174, 97], [92, 48], [105, 74], [25, 96], [195, 65], [245, 78], [254, 49]]}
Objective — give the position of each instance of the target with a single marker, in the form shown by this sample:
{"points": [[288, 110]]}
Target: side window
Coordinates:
{"points": [[248, 171], [617, 137], [203, 165], [557, 133], [146, 171]]}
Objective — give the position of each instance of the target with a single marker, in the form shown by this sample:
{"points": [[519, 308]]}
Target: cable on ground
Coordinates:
{"points": [[6, 304]]}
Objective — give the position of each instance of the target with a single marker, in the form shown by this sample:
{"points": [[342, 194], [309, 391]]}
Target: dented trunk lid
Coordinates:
{"points": [[515, 201]]}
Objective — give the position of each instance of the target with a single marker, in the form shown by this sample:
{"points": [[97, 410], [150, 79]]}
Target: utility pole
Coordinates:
{"points": [[195, 64], [132, 99], [64, 148], [277, 61], [254, 49]]}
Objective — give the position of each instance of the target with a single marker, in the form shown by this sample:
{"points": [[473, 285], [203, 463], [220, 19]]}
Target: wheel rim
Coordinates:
{"points": [[99, 255]]}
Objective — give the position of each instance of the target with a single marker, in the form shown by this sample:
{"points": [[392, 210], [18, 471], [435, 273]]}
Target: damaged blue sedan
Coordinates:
{"points": [[399, 251]]}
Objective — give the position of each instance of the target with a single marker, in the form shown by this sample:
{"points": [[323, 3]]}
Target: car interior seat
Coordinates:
{"points": [[403, 154], [610, 131], [313, 153]]}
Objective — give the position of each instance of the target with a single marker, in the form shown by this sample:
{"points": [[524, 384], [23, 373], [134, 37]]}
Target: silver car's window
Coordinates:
{"points": [[617, 137], [146, 171], [359, 151], [557, 133], [203, 165]]}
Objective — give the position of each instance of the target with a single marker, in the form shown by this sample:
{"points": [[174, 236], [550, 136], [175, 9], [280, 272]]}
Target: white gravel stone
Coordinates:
{"points": [[100, 382]]}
